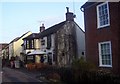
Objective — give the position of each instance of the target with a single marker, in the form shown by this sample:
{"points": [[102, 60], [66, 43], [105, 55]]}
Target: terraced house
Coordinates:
{"points": [[31, 44], [15, 48], [102, 34]]}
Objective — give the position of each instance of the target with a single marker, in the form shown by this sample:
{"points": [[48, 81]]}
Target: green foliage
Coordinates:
{"points": [[82, 65], [82, 72], [80, 69], [86, 72]]}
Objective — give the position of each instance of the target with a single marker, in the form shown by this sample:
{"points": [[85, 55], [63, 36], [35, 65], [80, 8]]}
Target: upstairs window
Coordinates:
{"points": [[49, 42], [42, 42], [27, 44], [30, 44], [24, 44], [103, 15], [105, 55]]}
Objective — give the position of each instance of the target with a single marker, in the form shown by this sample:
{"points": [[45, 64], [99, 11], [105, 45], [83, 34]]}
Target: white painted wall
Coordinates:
{"points": [[18, 43], [15, 47], [11, 50], [80, 36], [37, 43], [53, 41], [43, 47]]}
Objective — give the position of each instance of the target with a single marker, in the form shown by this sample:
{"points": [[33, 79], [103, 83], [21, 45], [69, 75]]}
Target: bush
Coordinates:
{"points": [[82, 65], [55, 77], [85, 72], [105, 76], [66, 74], [80, 69]]}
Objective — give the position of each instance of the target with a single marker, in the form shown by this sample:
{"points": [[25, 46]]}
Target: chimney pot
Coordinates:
{"points": [[67, 9], [42, 25]]}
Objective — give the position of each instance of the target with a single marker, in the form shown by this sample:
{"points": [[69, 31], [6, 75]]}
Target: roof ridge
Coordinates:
{"points": [[52, 29]]}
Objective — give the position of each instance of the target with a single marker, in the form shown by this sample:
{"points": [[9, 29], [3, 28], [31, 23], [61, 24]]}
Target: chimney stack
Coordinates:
{"points": [[69, 15], [42, 28]]}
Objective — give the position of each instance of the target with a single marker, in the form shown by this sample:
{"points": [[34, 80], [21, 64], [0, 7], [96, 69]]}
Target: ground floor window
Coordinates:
{"points": [[105, 54], [30, 59]]}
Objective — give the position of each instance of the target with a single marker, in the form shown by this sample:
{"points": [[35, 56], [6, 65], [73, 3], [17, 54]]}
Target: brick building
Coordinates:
{"points": [[102, 34]]}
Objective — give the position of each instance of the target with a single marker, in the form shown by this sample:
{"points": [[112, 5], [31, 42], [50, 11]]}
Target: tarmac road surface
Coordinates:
{"points": [[13, 75]]}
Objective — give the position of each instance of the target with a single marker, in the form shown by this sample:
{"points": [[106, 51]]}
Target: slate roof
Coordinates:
{"points": [[49, 31], [32, 36], [55, 28], [52, 29], [17, 38]]}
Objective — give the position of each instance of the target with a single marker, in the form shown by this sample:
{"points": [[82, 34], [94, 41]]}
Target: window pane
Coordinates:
{"points": [[103, 62], [108, 46], [27, 44], [32, 44], [103, 57], [100, 8], [102, 52], [107, 21], [105, 6], [107, 51], [100, 13], [105, 11]]}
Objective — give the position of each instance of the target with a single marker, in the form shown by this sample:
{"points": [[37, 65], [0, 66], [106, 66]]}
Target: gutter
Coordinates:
{"points": [[87, 5]]}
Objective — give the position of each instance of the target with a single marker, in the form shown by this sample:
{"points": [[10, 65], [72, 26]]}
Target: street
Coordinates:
{"points": [[0, 77], [13, 75]]}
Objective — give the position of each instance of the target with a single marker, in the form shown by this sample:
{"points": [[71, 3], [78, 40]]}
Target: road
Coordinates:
{"points": [[13, 75], [0, 77]]}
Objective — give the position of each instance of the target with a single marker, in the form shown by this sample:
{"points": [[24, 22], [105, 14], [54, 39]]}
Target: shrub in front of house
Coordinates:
{"points": [[80, 72], [105, 76], [85, 72], [81, 68]]}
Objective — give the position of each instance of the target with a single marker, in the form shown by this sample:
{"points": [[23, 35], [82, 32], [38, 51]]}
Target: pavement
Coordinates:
{"points": [[34, 73]]}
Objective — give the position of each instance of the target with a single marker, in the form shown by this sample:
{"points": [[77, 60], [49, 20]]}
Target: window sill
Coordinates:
{"points": [[107, 66], [99, 27]]}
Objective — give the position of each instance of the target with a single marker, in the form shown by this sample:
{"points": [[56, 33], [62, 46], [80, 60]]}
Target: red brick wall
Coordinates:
{"points": [[115, 29], [110, 33]]}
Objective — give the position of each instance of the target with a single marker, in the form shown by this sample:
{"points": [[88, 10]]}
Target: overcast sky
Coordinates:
{"points": [[17, 18]]}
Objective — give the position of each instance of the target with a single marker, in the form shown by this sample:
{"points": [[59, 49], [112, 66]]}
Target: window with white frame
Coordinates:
{"points": [[105, 55], [103, 15], [30, 44]]}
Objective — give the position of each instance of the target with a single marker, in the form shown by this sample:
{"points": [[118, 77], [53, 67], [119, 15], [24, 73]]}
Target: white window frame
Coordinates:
{"points": [[98, 19], [100, 58]]}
